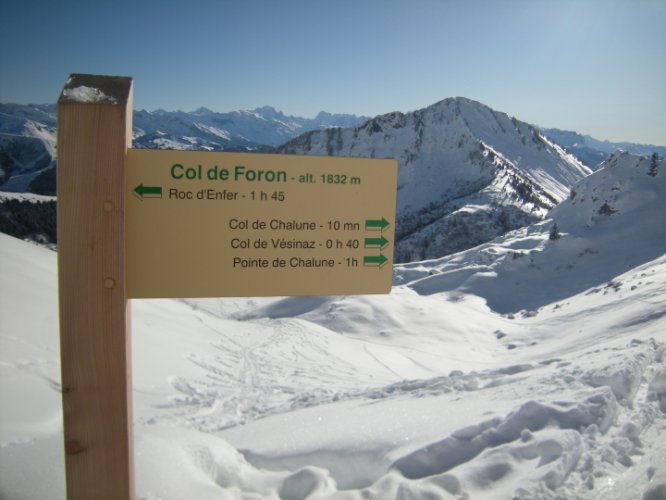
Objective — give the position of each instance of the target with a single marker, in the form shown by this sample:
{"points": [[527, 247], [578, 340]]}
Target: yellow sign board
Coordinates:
{"points": [[217, 224]]}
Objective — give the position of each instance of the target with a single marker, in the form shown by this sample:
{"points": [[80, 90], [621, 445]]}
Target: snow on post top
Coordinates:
{"points": [[96, 89]]}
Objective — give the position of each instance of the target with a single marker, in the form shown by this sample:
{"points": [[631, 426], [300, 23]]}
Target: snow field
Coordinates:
{"points": [[274, 398], [446, 388]]}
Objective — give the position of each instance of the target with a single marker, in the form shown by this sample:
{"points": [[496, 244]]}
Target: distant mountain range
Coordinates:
{"points": [[592, 151], [27, 136], [467, 173], [249, 130]]}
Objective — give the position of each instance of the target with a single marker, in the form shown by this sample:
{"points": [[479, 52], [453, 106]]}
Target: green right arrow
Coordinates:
{"points": [[376, 243], [375, 260], [148, 191], [376, 224]]}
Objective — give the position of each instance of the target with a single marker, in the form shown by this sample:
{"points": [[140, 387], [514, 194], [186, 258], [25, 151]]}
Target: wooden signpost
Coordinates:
{"points": [[94, 132], [145, 223]]}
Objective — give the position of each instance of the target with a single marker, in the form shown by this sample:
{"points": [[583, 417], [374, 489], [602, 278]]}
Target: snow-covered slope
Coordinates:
{"points": [[27, 144], [466, 173], [611, 222], [427, 392]]}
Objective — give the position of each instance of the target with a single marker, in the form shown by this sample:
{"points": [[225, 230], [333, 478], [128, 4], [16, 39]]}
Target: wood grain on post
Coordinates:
{"points": [[94, 132]]}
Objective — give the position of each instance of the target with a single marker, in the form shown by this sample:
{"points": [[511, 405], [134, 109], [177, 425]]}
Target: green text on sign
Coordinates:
{"points": [[202, 224]]}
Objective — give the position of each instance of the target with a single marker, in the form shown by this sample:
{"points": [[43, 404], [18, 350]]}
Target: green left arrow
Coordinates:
{"points": [[375, 260], [142, 191], [376, 243]]}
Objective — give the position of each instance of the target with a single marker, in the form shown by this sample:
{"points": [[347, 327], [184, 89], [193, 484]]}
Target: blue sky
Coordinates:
{"points": [[594, 66]]}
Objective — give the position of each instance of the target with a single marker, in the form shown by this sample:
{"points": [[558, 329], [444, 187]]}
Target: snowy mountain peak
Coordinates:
{"points": [[202, 111], [269, 112], [454, 154]]}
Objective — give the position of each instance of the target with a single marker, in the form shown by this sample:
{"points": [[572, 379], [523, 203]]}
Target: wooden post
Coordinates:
{"points": [[94, 132]]}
